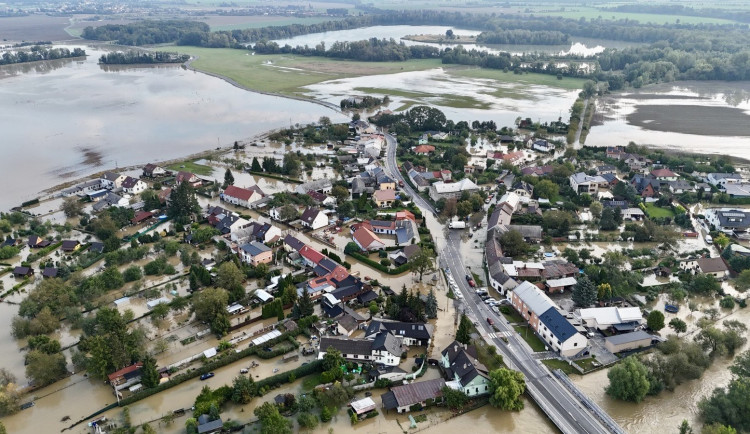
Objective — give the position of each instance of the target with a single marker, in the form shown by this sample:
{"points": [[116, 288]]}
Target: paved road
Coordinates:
{"points": [[561, 406]]}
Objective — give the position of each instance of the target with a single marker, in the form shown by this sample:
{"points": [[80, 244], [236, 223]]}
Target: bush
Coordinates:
{"points": [[727, 302]]}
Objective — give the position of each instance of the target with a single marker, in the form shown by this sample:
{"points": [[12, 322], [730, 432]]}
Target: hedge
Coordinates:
{"points": [[283, 378], [43, 252], [30, 202], [272, 176], [378, 266]]}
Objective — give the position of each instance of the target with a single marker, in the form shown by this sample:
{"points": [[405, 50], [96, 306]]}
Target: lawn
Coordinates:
{"points": [[193, 167], [288, 74], [528, 335], [513, 316], [587, 364], [656, 212], [559, 364], [491, 360], [526, 79], [311, 381]]}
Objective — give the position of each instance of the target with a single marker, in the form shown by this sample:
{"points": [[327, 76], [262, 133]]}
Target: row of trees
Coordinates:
{"points": [[144, 32], [142, 57], [37, 53], [369, 50]]}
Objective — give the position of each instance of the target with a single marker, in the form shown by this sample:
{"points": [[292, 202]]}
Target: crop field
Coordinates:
{"points": [[33, 28], [593, 13], [252, 22]]}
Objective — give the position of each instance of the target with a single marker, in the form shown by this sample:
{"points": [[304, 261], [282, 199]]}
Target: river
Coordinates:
{"points": [[66, 119]]}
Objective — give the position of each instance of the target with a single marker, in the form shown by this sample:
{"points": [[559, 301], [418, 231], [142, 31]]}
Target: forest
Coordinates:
{"points": [[371, 50], [37, 53], [135, 57], [144, 32], [523, 37]]}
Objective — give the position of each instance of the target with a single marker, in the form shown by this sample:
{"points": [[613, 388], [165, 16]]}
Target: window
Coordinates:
{"points": [[575, 344], [476, 390]]}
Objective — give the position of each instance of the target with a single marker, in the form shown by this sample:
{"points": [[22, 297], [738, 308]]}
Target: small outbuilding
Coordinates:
{"points": [[628, 341]]}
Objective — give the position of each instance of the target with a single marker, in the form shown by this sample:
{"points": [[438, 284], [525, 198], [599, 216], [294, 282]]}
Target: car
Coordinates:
{"points": [[244, 371], [489, 321], [207, 375], [472, 283], [468, 277]]}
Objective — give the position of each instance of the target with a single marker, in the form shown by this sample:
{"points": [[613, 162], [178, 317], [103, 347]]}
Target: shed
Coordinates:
{"points": [[628, 341], [153, 303], [263, 296], [363, 406], [23, 272]]}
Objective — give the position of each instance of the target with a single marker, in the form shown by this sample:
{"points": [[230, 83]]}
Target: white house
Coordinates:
{"points": [[442, 190], [242, 196], [543, 146], [111, 180], [152, 171], [603, 318], [722, 179], [582, 183], [385, 349], [314, 218], [728, 220], [133, 185], [367, 240], [463, 371]]}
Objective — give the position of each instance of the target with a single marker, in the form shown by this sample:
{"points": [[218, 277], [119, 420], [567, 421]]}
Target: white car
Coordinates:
{"points": [[490, 300]]}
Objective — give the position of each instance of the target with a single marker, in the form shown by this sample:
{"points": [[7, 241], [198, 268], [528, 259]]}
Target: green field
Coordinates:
{"points": [[593, 13], [288, 74], [655, 212], [276, 21], [193, 167]]}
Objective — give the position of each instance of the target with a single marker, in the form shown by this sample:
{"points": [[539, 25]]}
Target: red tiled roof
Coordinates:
{"points": [[404, 215], [238, 192], [424, 149], [311, 254], [366, 237], [663, 173], [126, 370]]}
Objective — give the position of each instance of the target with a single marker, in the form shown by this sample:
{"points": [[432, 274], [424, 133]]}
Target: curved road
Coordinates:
{"points": [[570, 414]]}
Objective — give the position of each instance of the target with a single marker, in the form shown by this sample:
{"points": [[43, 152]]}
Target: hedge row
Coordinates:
{"points": [[272, 176], [283, 378], [221, 361], [43, 252], [378, 266]]}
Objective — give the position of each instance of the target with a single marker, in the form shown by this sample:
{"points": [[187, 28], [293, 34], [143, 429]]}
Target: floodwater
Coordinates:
{"points": [[580, 46], [701, 117], [66, 119], [460, 98]]}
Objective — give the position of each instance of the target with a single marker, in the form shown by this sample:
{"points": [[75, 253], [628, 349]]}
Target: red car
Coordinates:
{"points": [[490, 322], [472, 283]]}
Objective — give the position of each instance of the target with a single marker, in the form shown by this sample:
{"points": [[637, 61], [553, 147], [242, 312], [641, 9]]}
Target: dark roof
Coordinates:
{"points": [[328, 263], [97, 247], [350, 291], [348, 322], [309, 215], [8, 242], [255, 248], [733, 218], [129, 182], [22, 271], [628, 337], [385, 341], [293, 242], [367, 297], [389, 401], [347, 346], [212, 426], [49, 272], [332, 312], [560, 327], [410, 330], [410, 394]]}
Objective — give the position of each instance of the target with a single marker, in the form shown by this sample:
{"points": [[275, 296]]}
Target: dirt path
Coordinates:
{"points": [[577, 142]]}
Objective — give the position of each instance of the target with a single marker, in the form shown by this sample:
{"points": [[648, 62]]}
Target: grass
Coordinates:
{"points": [[655, 212], [593, 13], [513, 316], [528, 335], [193, 167], [289, 74], [561, 365], [491, 360], [587, 364], [311, 381], [567, 83]]}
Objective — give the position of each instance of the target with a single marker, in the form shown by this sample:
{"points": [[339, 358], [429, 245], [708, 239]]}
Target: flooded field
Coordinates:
{"points": [[91, 116], [686, 116]]}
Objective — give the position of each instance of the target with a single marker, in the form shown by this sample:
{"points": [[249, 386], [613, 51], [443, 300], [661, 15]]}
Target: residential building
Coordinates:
{"points": [[606, 169], [255, 253], [69, 246], [560, 285], [628, 341], [153, 171], [20, 272], [111, 180], [514, 158], [243, 197], [424, 149], [83, 188], [367, 240], [583, 183], [384, 198], [208, 426], [543, 146], [714, 266], [728, 220], [226, 221], [125, 377], [133, 185], [385, 349], [346, 325], [411, 334], [738, 190], [321, 198], [722, 179], [463, 371], [265, 233], [190, 178], [636, 162], [321, 185], [401, 398], [604, 318], [522, 189], [443, 190], [664, 174], [314, 218]]}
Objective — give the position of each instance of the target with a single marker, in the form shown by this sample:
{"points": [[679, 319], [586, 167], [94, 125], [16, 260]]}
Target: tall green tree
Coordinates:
{"points": [[243, 389], [431, 305], [304, 306], [584, 292], [655, 320], [255, 166], [183, 204], [628, 380], [149, 373], [271, 421], [423, 261], [228, 178], [506, 388], [44, 369], [463, 334], [210, 305], [678, 325]]}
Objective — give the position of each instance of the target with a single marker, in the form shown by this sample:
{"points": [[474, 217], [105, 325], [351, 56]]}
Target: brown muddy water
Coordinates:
{"points": [[66, 119], [699, 117]]}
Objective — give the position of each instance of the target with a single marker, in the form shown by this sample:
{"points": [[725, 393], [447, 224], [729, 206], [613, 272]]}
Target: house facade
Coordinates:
{"points": [[313, 218], [255, 253], [583, 183], [242, 196], [133, 185]]}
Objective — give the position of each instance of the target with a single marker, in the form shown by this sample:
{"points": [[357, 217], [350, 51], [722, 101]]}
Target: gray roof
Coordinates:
{"points": [[712, 265], [255, 248], [213, 426], [361, 347], [534, 298], [410, 394], [560, 327], [406, 329], [733, 218], [628, 337], [385, 341]]}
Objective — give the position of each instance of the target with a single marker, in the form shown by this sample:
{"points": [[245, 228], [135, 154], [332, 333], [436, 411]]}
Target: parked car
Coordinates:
{"points": [[207, 375]]}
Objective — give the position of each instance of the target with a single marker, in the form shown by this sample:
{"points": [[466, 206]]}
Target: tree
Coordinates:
{"points": [[607, 221], [506, 388], [584, 292], [44, 344], [717, 428], [431, 305], [678, 325], [341, 194], [685, 427], [332, 361], [271, 421], [742, 282], [2, 429], [132, 273], [546, 189], [149, 373], [243, 389], [464, 208], [704, 284], [191, 426], [305, 305], [728, 405], [228, 178], [741, 365], [307, 420], [596, 209], [210, 306], [72, 206], [183, 204], [373, 308], [655, 320], [255, 166], [10, 393], [44, 369], [513, 244], [463, 334], [721, 241], [454, 399], [229, 277], [423, 261], [147, 429], [288, 212], [628, 380], [449, 34]]}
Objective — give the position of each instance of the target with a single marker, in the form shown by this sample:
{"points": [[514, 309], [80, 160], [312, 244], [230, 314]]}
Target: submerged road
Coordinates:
{"points": [[571, 412]]}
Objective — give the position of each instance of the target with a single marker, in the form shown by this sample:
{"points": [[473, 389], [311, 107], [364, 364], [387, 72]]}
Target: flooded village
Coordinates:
{"points": [[413, 245]]}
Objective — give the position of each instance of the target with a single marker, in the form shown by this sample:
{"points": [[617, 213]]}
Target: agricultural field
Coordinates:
{"points": [[593, 13], [33, 28], [252, 22]]}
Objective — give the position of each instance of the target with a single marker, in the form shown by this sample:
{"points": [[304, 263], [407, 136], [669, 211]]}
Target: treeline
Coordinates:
{"points": [[136, 57], [370, 50], [364, 102], [526, 37], [144, 32], [38, 53], [665, 9]]}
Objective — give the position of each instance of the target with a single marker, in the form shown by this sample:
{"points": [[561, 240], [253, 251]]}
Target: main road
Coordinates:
{"points": [[571, 412]]}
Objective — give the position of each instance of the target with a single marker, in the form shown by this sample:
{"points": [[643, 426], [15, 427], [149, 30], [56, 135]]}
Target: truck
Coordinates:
{"points": [[457, 225]]}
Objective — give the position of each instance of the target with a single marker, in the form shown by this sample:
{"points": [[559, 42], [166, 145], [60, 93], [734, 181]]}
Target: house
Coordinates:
{"points": [[243, 197], [606, 169], [83, 188], [443, 190], [111, 180], [560, 285], [722, 179], [728, 220], [367, 240], [255, 253], [636, 162], [583, 183], [164, 195], [96, 247], [226, 221], [714, 266], [543, 146], [292, 244], [615, 152], [20, 272], [188, 177], [385, 349], [153, 171], [739, 190], [401, 257], [346, 325], [321, 198], [411, 334], [646, 186], [133, 185], [424, 149], [125, 377], [403, 229], [604, 318], [680, 186], [141, 216], [265, 233], [530, 233], [463, 371], [321, 185], [313, 218], [611, 179], [402, 398], [537, 171], [633, 214], [384, 198], [69, 246], [49, 272], [207, 426], [36, 242], [109, 199], [628, 341], [423, 140], [664, 174], [514, 158], [523, 189]]}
